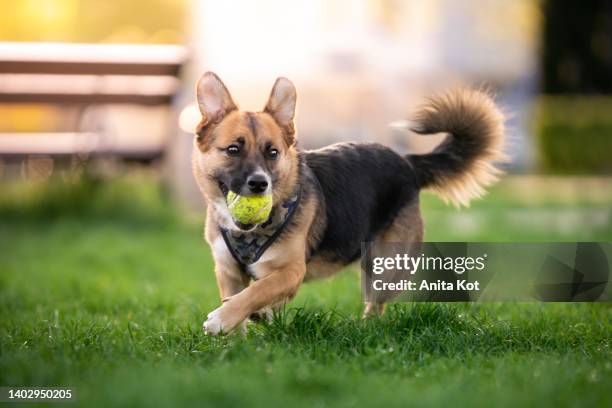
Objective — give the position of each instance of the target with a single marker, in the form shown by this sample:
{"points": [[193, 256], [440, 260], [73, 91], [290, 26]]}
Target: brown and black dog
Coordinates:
{"points": [[327, 201]]}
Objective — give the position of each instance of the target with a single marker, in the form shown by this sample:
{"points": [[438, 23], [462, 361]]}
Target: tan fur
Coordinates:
{"points": [[208, 155], [319, 268]]}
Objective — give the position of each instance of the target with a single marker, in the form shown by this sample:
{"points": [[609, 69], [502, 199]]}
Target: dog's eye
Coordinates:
{"points": [[233, 150], [272, 153]]}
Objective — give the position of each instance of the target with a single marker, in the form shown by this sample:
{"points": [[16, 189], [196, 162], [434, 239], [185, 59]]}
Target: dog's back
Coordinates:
{"points": [[364, 186], [367, 187]]}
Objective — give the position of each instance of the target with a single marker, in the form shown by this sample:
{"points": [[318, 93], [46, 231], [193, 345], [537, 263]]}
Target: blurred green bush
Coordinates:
{"points": [[574, 134], [134, 198]]}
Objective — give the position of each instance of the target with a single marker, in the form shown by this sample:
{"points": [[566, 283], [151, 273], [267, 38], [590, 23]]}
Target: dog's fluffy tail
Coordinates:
{"points": [[462, 166]]}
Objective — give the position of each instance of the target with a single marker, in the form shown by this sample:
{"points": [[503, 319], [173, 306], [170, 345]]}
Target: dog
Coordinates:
{"points": [[326, 202]]}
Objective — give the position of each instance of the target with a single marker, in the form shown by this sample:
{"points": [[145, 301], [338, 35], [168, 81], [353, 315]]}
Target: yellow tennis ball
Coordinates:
{"points": [[249, 209]]}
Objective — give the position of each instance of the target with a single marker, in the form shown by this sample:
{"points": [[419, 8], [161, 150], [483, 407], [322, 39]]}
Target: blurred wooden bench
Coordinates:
{"points": [[84, 76]]}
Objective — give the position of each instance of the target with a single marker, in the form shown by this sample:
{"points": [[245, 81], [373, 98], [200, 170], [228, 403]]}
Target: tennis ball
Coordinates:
{"points": [[249, 209]]}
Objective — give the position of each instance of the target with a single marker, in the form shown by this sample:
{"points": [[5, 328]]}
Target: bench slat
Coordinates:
{"points": [[67, 98], [87, 68]]}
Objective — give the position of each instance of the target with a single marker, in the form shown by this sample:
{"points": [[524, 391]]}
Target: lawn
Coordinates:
{"points": [[103, 288]]}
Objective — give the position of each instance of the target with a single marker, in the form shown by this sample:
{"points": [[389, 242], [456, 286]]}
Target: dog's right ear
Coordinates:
{"points": [[214, 100], [281, 105]]}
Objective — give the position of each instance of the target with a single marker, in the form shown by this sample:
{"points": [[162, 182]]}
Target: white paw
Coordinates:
{"points": [[214, 324]]}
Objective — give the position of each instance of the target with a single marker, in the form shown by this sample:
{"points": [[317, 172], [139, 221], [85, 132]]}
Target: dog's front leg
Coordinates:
{"points": [[230, 281], [277, 285]]}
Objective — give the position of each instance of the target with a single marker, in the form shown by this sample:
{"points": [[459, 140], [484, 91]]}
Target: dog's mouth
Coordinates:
{"points": [[244, 227], [224, 188]]}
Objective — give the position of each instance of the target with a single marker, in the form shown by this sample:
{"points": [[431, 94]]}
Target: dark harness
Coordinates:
{"points": [[248, 246]]}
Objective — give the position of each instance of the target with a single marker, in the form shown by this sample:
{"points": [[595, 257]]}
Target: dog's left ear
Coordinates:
{"points": [[281, 106]]}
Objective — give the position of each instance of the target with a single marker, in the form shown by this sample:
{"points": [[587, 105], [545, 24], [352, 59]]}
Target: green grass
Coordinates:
{"points": [[103, 288]]}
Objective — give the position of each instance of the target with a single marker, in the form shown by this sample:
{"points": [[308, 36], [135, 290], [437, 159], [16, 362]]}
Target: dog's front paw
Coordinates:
{"points": [[221, 321], [213, 325]]}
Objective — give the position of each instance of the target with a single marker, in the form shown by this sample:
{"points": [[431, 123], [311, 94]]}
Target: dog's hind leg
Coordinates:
{"points": [[407, 227], [373, 309]]}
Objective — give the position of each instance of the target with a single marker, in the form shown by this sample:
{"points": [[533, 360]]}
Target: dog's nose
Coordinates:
{"points": [[257, 183]]}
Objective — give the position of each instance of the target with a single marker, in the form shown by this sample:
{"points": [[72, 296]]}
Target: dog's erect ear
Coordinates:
{"points": [[281, 105], [214, 99]]}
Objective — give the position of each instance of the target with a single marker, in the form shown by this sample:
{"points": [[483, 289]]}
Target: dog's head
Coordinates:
{"points": [[245, 152]]}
